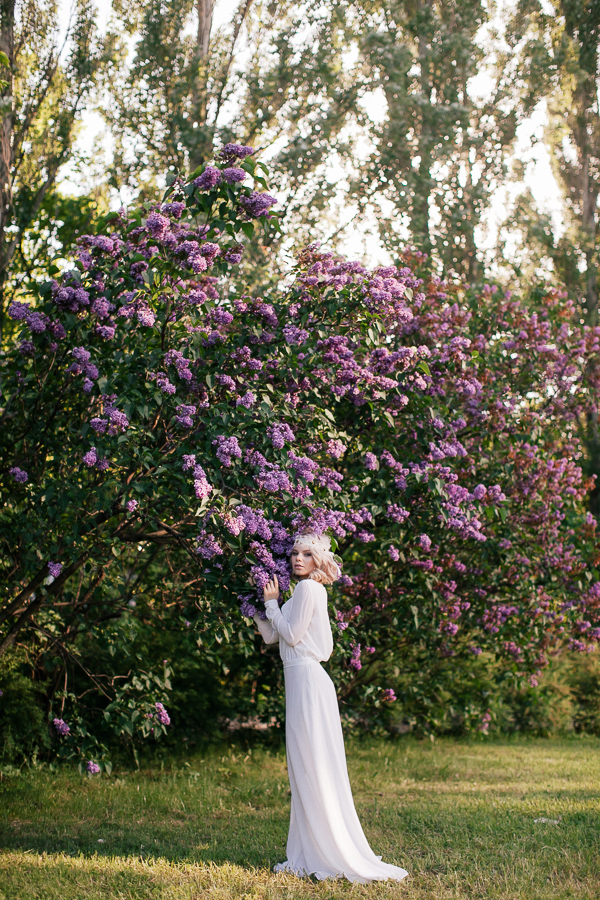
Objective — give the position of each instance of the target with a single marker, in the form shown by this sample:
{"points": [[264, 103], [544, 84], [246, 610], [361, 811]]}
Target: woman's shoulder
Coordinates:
{"points": [[310, 586]]}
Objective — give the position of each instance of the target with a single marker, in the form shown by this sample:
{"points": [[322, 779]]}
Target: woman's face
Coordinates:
{"points": [[303, 562]]}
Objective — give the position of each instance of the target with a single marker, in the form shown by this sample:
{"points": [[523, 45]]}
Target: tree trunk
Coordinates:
{"points": [[202, 144], [7, 45]]}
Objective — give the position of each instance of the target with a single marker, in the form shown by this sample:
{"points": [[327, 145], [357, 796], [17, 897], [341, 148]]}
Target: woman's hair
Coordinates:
{"points": [[327, 570]]}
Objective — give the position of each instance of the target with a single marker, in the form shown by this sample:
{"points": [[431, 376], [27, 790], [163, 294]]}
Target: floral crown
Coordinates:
{"points": [[321, 542], [311, 538]]}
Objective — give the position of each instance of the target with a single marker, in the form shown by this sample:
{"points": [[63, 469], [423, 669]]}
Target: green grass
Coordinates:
{"points": [[459, 816]]}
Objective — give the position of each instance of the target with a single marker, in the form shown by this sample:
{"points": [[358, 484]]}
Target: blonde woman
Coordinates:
{"points": [[325, 837]]}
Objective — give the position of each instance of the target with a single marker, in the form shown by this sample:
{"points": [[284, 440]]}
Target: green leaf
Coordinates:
{"points": [[4, 60]]}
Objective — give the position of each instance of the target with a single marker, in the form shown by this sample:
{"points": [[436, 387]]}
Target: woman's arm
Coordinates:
{"points": [[270, 634], [293, 626]]}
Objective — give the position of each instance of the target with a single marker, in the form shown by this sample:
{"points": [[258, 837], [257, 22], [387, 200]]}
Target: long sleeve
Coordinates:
{"points": [[270, 635], [294, 624]]}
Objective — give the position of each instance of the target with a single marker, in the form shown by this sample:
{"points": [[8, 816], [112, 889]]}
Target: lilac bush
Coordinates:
{"points": [[430, 428]]}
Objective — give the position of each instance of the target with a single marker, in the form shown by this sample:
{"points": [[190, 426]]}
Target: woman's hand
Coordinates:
{"points": [[271, 591]]}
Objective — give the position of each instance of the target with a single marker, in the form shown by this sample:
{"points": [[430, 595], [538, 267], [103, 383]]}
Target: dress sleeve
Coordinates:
{"points": [[294, 624], [270, 634]]}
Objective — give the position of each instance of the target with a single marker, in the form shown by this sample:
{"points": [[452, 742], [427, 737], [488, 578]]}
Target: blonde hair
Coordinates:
{"points": [[327, 570]]}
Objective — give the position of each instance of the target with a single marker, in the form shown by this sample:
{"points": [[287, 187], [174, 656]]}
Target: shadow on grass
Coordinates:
{"points": [[254, 838]]}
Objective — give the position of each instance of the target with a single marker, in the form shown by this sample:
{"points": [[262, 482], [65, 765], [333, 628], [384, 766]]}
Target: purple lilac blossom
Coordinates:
{"points": [[61, 727], [55, 569], [208, 546], [248, 400], [161, 714], [131, 505], [232, 175], [91, 457], [236, 151], [371, 461], [210, 178], [388, 694], [257, 204], [92, 767], [20, 475], [227, 449], [393, 553], [295, 335], [424, 542], [183, 415]]}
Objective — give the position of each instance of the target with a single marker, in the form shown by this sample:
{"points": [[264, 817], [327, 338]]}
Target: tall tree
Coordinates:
{"points": [[303, 79], [47, 83], [555, 59]]}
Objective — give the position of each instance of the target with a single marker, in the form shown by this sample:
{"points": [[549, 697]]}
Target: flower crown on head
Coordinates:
{"points": [[321, 541], [316, 540]]}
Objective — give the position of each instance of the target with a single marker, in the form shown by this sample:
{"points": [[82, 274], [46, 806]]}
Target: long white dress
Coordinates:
{"points": [[325, 837]]}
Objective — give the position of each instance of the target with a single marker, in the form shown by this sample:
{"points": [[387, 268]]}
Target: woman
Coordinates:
{"points": [[325, 837]]}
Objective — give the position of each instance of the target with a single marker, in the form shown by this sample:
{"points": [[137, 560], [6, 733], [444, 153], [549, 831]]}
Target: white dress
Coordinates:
{"points": [[325, 837]]}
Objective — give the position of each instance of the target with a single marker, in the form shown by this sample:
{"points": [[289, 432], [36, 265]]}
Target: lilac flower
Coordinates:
{"points": [[397, 513], [208, 546], [102, 465], [145, 316], [248, 400], [247, 608], [371, 461], [279, 433], [227, 449], [355, 660], [257, 204], [157, 225], [162, 715], [106, 331], [189, 461], [232, 175], [304, 466], [209, 179], [202, 488], [81, 354], [20, 475], [227, 381], [236, 151], [475, 650], [388, 694], [54, 569], [424, 542], [234, 524], [221, 317], [173, 209], [479, 492], [336, 448], [393, 553], [91, 457], [234, 255], [92, 767], [102, 307], [99, 425], [295, 335], [131, 505], [162, 382], [18, 310], [37, 322], [183, 415], [61, 727]]}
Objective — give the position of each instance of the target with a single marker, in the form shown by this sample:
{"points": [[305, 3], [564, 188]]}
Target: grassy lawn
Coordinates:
{"points": [[461, 817]]}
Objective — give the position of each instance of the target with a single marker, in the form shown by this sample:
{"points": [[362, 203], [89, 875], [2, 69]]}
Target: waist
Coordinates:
{"points": [[300, 661]]}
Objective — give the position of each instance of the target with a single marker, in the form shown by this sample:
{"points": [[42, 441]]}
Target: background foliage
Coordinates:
{"points": [[371, 117]]}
